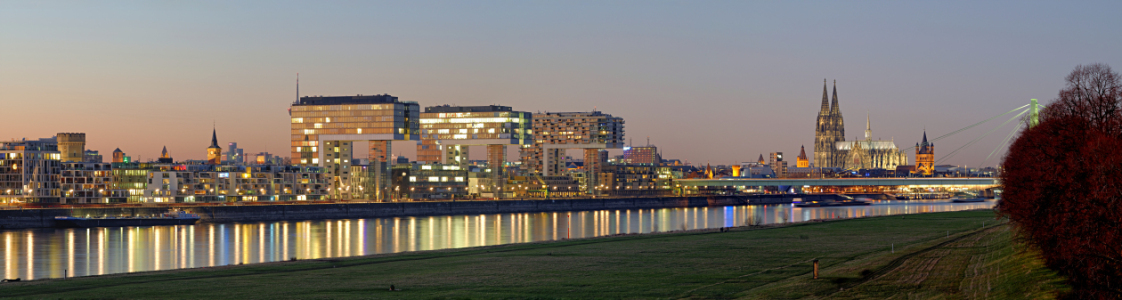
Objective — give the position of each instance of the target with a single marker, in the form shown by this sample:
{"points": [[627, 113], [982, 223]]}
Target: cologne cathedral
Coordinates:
{"points": [[832, 151]]}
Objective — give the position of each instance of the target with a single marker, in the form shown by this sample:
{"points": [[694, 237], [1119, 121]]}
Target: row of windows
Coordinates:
{"points": [[356, 118], [369, 125], [469, 125], [437, 179], [298, 134], [464, 136], [475, 115], [472, 120], [19, 156], [465, 130]]}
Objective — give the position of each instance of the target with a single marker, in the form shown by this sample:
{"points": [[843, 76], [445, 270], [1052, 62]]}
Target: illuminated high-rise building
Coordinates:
{"points": [[324, 129], [448, 132], [556, 132], [778, 165], [234, 155]]}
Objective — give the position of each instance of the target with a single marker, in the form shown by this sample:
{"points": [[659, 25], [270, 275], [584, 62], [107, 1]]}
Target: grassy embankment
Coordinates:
{"points": [[856, 261]]}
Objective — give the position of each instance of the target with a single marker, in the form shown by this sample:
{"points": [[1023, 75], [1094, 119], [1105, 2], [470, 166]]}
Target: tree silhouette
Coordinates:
{"points": [[1063, 183]]}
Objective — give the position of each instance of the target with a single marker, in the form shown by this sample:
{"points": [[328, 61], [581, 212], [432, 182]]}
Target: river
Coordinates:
{"points": [[54, 253]]}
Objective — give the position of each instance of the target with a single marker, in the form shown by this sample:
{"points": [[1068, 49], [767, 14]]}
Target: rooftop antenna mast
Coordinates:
{"points": [[297, 86]]}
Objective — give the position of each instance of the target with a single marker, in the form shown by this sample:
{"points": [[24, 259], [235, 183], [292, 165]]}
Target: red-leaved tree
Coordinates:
{"points": [[1063, 183]]}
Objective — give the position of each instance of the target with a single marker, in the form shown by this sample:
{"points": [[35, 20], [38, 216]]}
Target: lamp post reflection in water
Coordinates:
{"points": [[133, 249]]}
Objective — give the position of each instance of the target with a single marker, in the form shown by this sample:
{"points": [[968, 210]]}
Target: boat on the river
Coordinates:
{"points": [[833, 203], [177, 217], [967, 200]]}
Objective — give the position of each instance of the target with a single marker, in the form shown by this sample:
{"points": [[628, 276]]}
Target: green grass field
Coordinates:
{"points": [[941, 255]]}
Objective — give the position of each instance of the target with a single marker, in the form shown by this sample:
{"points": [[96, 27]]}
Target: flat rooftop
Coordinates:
{"points": [[339, 100], [453, 109]]}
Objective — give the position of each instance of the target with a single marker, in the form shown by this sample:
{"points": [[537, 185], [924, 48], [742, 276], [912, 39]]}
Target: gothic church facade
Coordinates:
{"points": [[832, 151]]}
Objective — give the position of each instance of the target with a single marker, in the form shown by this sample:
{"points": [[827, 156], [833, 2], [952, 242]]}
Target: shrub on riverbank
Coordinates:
{"points": [[1063, 183]]}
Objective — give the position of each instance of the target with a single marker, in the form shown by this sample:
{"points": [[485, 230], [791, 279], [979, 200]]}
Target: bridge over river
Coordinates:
{"points": [[911, 188], [977, 183]]}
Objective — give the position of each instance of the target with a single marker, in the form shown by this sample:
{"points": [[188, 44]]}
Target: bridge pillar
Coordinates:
{"points": [[1034, 113]]}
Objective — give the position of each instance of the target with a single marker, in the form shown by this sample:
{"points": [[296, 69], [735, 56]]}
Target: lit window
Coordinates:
{"points": [[434, 179], [412, 178]]}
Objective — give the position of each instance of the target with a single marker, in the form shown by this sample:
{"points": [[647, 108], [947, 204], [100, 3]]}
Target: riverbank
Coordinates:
{"points": [[45, 217], [927, 255]]}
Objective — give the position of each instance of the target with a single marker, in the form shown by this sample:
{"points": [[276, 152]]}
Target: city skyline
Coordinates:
{"points": [[706, 82]]}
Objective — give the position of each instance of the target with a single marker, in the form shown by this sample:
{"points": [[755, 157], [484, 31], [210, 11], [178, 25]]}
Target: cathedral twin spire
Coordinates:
{"points": [[826, 99], [835, 109], [831, 111], [831, 129]]}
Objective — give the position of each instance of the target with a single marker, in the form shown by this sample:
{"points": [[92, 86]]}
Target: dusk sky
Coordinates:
{"points": [[707, 81]]}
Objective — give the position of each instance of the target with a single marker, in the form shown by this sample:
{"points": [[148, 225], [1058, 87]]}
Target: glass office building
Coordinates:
{"points": [[319, 123]]}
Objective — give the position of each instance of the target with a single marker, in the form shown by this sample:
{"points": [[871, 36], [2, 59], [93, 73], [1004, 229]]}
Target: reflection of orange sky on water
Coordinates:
{"points": [[41, 253]]}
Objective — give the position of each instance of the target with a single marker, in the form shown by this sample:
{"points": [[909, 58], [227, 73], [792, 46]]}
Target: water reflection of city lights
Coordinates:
{"points": [[82, 252]]}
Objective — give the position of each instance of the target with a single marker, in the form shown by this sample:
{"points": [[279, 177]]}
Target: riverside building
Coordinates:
{"points": [[645, 155], [89, 182], [556, 132], [166, 183], [325, 128], [448, 132], [30, 171], [33, 172]]}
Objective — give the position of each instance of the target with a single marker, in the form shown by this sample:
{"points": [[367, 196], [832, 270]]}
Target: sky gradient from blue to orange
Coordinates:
{"points": [[707, 81]]}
